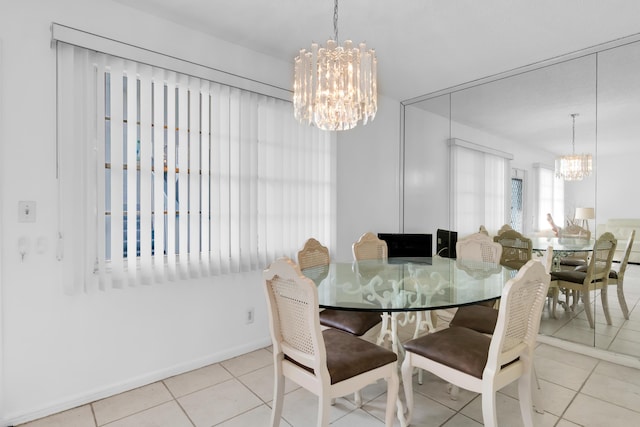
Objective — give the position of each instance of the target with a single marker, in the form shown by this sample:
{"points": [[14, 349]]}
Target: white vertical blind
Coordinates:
{"points": [[189, 177], [480, 179]]}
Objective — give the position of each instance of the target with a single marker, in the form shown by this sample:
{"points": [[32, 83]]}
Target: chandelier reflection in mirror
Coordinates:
{"points": [[574, 167], [335, 86]]}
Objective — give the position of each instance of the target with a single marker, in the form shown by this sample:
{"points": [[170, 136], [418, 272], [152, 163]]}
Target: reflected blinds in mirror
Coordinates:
{"points": [[480, 182]]}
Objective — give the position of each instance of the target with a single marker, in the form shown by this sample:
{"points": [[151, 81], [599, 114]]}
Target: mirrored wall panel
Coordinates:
{"points": [[486, 154]]}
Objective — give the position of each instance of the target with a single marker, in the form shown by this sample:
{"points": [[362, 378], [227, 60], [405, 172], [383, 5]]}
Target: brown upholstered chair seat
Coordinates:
{"points": [[516, 265], [348, 356], [613, 274], [576, 276], [573, 262], [480, 318], [460, 348], [354, 322]]}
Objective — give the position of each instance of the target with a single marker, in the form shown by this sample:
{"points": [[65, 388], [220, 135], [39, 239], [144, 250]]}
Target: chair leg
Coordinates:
{"points": [[489, 412], [536, 397], [393, 384], [586, 299], [407, 381], [554, 301], [622, 300], [357, 397], [453, 390], [430, 321], [323, 409], [604, 297], [278, 397], [525, 388]]}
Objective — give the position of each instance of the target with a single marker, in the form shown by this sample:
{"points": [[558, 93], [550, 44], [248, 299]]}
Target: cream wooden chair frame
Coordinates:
{"points": [[596, 277], [517, 249], [616, 277], [369, 246], [313, 254], [300, 353], [478, 247], [510, 352]]}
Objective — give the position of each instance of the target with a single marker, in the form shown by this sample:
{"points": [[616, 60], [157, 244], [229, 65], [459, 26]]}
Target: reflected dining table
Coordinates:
{"points": [[562, 247]]}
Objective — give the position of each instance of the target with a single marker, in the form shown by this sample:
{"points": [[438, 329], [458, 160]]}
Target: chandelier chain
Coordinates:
{"points": [[335, 21], [573, 138]]}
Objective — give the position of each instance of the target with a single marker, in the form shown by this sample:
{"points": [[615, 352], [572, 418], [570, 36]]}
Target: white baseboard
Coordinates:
{"points": [[606, 355], [70, 402]]}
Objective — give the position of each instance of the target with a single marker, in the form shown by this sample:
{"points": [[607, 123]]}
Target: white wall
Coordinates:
{"points": [[368, 178], [426, 177], [617, 187], [59, 351]]}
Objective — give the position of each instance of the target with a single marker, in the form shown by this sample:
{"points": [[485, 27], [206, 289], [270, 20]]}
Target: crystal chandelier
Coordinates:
{"points": [[573, 167], [335, 86]]}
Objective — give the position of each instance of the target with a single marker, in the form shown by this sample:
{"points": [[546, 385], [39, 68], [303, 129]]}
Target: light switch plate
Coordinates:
{"points": [[26, 211]]}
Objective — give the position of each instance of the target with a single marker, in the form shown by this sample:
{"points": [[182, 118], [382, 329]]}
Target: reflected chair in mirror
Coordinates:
{"points": [[504, 228], [479, 247], [571, 233], [552, 298], [329, 363], [616, 276], [595, 277], [517, 250], [485, 364], [314, 256]]}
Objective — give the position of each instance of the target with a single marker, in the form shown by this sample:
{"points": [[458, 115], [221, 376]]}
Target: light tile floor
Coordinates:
{"points": [[577, 390], [622, 336]]}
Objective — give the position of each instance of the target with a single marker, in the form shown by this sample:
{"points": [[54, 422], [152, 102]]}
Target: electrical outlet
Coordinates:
{"points": [[250, 315], [26, 211]]}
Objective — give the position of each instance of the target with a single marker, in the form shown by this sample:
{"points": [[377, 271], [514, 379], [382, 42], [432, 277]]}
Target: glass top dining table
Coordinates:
{"points": [[407, 284]]}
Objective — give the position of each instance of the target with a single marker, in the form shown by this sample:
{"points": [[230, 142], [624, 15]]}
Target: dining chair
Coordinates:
{"points": [[616, 277], [483, 319], [517, 249], [595, 277], [314, 259], [504, 228], [479, 247], [576, 259], [485, 364], [314, 256], [369, 246], [329, 363], [475, 248]]}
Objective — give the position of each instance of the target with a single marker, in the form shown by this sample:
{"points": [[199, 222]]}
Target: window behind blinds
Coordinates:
{"points": [[164, 175]]}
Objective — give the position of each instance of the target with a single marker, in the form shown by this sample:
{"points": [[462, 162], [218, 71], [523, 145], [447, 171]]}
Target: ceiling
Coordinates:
{"points": [[422, 46]]}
